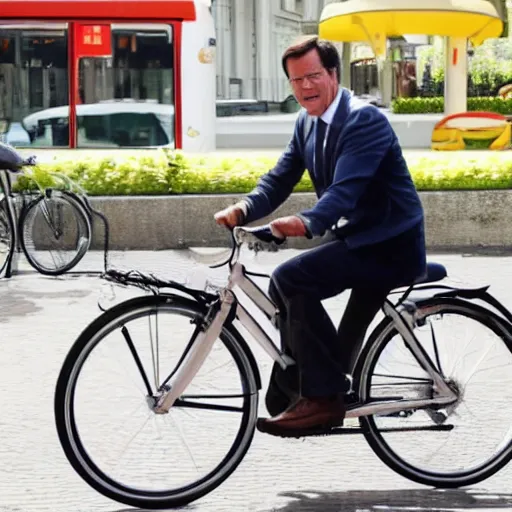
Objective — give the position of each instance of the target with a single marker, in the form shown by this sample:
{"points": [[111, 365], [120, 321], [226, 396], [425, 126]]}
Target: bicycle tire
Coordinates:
{"points": [[83, 200], [376, 344], [82, 218], [68, 433], [7, 225]]}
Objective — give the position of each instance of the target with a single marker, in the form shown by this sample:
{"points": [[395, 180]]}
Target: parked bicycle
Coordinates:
{"points": [[183, 432], [52, 226]]}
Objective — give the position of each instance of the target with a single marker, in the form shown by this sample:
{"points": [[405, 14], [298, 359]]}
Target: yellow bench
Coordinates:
{"points": [[456, 132]]}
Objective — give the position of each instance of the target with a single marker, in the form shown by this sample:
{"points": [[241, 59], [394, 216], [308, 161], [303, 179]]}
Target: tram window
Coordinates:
{"points": [[34, 85], [127, 100]]}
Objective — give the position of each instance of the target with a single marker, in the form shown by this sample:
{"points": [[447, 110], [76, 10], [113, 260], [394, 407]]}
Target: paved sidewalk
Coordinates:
{"points": [[41, 317]]}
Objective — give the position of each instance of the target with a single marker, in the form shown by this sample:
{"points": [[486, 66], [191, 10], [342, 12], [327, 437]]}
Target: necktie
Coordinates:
{"points": [[321, 127]]}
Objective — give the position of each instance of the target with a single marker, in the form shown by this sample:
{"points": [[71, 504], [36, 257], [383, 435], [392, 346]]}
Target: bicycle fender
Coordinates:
{"points": [[480, 293]]}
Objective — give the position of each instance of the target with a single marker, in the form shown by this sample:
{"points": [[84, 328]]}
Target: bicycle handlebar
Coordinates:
{"points": [[263, 234], [29, 161], [257, 238], [18, 167]]}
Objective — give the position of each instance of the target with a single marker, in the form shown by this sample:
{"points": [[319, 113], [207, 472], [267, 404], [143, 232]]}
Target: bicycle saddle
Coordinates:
{"points": [[11, 160]]}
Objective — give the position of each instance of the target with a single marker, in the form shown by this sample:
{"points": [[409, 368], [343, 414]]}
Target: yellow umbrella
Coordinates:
{"points": [[376, 20]]}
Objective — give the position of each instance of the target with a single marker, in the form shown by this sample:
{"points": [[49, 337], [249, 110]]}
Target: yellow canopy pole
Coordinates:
{"points": [[378, 43], [377, 40]]}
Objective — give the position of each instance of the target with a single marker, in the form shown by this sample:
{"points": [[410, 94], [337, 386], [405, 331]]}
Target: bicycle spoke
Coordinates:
{"points": [[116, 362], [184, 442], [154, 355], [423, 364], [136, 357], [54, 259], [48, 217], [130, 440], [433, 453], [474, 371], [465, 353], [193, 338]]}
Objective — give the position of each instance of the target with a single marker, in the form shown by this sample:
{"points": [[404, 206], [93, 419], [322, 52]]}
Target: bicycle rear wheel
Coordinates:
{"points": [[111, 435], [7, 238], [450, 446], [56, 232]]}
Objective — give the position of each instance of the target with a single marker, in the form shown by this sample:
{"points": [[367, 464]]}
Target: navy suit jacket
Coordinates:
{"points": [[364, 189]]}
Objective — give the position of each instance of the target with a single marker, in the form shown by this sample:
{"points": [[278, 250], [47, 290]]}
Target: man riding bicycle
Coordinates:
{"points": [[371, 218]]}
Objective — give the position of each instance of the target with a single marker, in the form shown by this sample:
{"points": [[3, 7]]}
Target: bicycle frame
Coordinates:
{"points": [[230, 306]]}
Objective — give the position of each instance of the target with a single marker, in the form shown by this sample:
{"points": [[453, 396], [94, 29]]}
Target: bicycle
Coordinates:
{"points": [[53, 227], [390, 393]]}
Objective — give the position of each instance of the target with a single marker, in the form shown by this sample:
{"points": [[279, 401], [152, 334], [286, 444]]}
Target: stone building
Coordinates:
{"points": [[251, 37]]}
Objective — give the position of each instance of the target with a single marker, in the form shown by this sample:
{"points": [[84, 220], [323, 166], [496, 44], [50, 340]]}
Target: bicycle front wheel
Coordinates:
{"points": [[448, 446], [55, 232], [103, 408]]}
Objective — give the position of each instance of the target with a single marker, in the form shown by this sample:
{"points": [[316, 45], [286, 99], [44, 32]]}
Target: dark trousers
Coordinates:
{"points": [[323, 353]]}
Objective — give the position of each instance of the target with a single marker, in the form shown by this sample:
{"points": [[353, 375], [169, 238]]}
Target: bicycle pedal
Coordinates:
{"points": [[319, 432]]}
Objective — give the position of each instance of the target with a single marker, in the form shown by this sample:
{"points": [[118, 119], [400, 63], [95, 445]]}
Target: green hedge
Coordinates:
{"points": [[163, 173], [436, 105]]}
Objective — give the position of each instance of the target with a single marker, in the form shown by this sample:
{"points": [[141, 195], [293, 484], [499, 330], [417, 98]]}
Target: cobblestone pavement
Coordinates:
{"points": [[40, 318]]}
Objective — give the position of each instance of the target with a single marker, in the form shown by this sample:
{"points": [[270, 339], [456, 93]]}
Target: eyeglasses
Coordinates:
{"points": [[311, 77]]}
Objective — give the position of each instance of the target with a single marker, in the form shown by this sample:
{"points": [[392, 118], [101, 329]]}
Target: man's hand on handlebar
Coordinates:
{"points": [[281, 228], [231, 216], [285, 227]]}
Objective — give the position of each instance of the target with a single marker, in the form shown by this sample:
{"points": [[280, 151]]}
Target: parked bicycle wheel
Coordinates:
{"points": [[56, 232], [105, 396], [453, 446], [7, 239]]}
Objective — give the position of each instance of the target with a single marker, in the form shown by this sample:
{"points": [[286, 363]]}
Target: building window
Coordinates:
{"points": [[127, 99], [34, 81], [294, 6]]}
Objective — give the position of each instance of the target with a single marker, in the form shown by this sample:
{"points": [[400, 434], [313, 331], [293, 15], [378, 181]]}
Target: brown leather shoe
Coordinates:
{"points": [[307, 416]]}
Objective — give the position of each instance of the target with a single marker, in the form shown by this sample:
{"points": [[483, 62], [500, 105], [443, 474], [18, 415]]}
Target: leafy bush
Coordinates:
{"points": [[436, 105], [465, 170], [171, 173], [418, 105]]}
